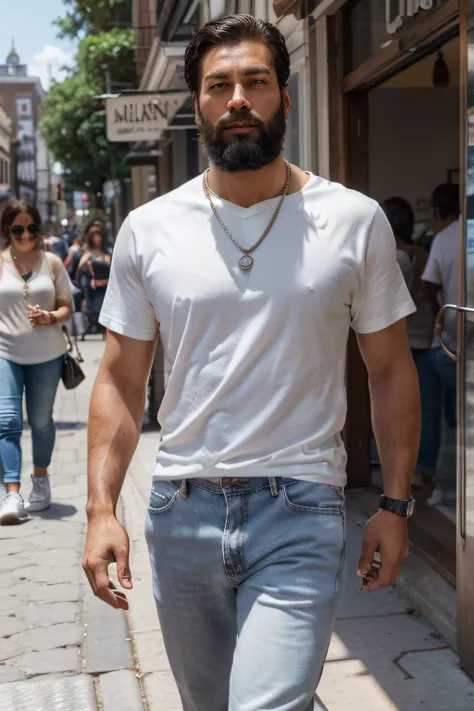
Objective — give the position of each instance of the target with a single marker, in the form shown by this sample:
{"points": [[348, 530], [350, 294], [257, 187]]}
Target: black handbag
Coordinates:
{"points": [[72, 374]]}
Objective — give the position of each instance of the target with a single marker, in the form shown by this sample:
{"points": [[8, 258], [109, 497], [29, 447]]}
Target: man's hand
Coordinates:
{"points": [[387, 534], [107, 542]]}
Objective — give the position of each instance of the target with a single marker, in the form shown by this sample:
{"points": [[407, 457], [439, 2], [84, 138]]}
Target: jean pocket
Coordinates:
{"points": [[162, 496], [315, 497]]}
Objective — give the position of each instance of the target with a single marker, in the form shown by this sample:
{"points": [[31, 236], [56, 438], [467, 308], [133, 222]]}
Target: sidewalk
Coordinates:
{"points": [[60, 648]]}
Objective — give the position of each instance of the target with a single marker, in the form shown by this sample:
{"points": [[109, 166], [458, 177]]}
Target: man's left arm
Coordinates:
{"points": [[395, 400]]}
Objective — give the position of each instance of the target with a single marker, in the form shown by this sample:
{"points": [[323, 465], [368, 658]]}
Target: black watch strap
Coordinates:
{"points": [[401, 507]]}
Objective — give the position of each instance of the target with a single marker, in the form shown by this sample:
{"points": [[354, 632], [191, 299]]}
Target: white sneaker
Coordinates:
{"points": [[40, 495], [12, 510], [442, 497]]}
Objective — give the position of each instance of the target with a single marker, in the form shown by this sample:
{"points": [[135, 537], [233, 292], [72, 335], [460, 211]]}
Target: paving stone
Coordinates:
{"points": [[48, 662], [13, 546], [389, 636], [12, 562], [7, 674], [10, 603], [121, 690], [106, 646], [437, 685], [58, 694], [8, 649], [68, 540], [12, 625], [151, 652], [52, 557], [51, 576], [52, 613], [64, 592], [161, 692], [62, 635]]}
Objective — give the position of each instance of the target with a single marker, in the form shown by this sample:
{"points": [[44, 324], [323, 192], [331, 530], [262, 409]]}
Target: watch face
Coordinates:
{"points": [[411, 508]]}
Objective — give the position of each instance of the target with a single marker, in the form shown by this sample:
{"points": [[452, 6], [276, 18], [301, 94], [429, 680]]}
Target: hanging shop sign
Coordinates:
{"points": [[397, 11], [142, 117]]}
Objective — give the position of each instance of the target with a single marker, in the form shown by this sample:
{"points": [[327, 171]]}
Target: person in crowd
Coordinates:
{"points": [[412, 259], [56, 245], [441, 287], [93, 273], [253, 274], [35, 299]]}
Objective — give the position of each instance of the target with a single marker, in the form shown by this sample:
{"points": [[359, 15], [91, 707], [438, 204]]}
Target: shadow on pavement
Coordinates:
{"points": [[71, 425], [56, 511]]}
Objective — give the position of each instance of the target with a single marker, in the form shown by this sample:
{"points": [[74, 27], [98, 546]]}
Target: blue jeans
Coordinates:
{"points": [[437, 376], [40, 383], [247, 578]]}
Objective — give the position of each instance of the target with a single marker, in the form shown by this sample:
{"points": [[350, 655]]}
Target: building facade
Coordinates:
{"points": [[5, 155], [21, 96]]}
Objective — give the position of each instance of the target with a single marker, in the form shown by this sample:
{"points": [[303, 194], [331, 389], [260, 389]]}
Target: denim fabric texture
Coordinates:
{"points": [[247, 578], [39, 382]]}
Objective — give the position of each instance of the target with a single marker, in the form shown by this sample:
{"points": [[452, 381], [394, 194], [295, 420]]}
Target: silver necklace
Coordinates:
{"points": [[246, 262]]}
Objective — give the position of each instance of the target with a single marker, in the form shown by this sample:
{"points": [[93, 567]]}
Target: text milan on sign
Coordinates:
{"points": [[142, 117], [406, 8]]}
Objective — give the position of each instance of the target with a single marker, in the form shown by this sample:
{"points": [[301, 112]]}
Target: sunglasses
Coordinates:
{"points": [[18, 230]]}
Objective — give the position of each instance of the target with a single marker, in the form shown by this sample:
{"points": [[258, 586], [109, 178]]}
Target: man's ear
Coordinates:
{"points": [[197, 116], [286, 101]]}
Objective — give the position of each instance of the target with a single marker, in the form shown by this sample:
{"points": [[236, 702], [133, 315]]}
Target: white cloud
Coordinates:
{"points": [[48, 64]]}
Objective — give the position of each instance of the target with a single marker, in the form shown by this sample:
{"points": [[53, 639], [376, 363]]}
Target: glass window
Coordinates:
{"points": [[373, 23]]}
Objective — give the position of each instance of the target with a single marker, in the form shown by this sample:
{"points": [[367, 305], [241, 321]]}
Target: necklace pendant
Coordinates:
{"points": [[246, 262]]}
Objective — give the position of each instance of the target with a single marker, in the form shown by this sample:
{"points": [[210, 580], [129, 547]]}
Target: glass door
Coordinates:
{"points": [[465, 356]]}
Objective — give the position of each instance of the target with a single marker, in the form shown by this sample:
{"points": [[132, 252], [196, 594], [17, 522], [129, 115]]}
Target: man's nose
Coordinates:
{"points": [[239, 101]]}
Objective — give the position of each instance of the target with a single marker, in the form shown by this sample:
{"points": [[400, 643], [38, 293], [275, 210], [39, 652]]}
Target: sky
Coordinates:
{"points": [[29, 22]]}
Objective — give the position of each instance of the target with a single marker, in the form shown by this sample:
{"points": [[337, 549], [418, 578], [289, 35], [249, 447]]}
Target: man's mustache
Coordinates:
{"points": [[247, 117]]}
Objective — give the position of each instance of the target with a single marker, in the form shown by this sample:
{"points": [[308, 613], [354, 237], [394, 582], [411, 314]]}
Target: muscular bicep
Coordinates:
{"points": [[385, 350], [126, 364]]}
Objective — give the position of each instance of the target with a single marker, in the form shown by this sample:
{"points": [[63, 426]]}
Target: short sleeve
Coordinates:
{"points": [[62, 283], [126, 309], [432, 271], [383, 297]]}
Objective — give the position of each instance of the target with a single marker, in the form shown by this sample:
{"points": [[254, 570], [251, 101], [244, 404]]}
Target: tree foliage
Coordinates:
{"points": [[74, 123], [89, 17]]}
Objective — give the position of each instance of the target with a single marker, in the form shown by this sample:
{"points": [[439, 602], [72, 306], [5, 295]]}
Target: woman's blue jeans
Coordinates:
{"points": [[39, 382]]}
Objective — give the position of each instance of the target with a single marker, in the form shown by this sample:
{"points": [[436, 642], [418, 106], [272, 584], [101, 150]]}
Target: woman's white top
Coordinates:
{"points": [[19, 341]]}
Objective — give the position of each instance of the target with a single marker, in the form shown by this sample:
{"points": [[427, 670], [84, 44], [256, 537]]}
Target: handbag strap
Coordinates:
{"points": [[72, 346]]}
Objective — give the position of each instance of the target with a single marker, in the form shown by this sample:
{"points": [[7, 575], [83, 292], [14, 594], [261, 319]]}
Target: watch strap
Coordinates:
{"points": [[401, 507]]}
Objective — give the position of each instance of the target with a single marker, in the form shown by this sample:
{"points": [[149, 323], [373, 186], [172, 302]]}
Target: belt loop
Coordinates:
{"points": [[273, 485], [184, 489]]}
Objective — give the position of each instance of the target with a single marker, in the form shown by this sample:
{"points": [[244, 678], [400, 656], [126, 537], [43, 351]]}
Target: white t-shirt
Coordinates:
{"points": [[19, 341], [442, 269], [255, 361]]}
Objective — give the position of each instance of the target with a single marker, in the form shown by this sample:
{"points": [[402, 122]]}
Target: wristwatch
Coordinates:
{"points": [[401, 507]]}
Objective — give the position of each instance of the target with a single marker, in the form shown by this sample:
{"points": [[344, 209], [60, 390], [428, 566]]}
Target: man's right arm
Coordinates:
{"points": [[115, 418]]}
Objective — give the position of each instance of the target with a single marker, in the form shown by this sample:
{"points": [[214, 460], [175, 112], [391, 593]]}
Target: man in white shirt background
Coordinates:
{"points": [[253, 274], [441, 278]]}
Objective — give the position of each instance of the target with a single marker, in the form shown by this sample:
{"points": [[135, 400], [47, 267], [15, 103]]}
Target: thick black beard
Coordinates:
{"points": [[245, 152]]}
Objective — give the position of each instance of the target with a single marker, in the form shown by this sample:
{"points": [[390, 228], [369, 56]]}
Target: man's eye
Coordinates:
{"points": [[258, 81], [220, 85]]}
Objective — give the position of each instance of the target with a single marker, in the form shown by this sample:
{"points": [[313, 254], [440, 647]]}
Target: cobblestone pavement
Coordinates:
{"points": [[61, 649]]}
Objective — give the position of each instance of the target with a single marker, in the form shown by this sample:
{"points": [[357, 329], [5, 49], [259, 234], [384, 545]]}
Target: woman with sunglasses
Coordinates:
{"points": [[35, 299]]}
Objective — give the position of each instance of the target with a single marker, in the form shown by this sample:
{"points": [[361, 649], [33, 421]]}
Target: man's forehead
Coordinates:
{"points": [[243, 56]]}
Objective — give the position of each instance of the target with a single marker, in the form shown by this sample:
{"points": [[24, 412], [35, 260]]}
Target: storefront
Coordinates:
{"points": [[398, 86]]}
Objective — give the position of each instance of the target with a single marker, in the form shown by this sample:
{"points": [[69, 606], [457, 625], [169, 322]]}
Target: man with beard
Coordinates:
{"points": [[253, 274]]}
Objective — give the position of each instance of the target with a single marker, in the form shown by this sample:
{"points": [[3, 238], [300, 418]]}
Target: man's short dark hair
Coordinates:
{"points": [[231, 29], [445, 199], [400, 214]]}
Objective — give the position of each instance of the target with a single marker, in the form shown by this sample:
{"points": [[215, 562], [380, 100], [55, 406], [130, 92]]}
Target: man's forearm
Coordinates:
{"points": [[114, 431], [396, 422]]}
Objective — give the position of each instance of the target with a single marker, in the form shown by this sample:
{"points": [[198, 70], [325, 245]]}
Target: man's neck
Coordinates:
{"points": [[443, 224], [253, 186]]}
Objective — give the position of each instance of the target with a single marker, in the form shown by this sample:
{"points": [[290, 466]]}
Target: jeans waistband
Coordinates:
{"points": [[228, 485]]}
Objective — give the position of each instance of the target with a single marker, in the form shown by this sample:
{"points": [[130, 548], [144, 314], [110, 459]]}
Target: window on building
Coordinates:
{"points": [[292, 142]]}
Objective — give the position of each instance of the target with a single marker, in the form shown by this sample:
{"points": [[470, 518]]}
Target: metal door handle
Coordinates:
{"points": [[440, 325]]}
